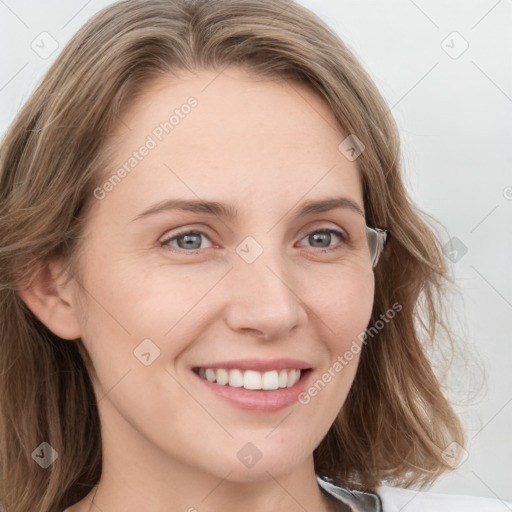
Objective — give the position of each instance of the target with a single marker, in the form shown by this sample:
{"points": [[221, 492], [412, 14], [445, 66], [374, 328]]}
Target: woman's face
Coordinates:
{"points": [[264, 291]]}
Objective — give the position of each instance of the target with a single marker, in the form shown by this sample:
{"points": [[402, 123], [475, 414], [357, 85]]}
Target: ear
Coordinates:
{"points": [[52, 301]]}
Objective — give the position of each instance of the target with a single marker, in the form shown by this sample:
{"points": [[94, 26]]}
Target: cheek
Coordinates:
{"points": [[127, 306], [345, 312], [345, 306]]}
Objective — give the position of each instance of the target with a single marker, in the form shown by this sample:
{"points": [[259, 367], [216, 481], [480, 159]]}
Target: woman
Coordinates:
{"points": [[211, 275]]}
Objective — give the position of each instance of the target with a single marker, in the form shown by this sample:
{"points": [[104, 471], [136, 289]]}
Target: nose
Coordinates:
{"points": [[262, 299]]}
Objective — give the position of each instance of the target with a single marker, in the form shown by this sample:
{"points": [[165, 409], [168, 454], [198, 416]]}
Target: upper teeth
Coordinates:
{"points": [[250, 379]]}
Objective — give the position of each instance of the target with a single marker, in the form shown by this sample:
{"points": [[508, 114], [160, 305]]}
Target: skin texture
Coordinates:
{"points": [[169, 444]]}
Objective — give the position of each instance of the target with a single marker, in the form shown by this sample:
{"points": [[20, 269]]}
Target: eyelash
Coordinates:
{"points": [[343, 236]]}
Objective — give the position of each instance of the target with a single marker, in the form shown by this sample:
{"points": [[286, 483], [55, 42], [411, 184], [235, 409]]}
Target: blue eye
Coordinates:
{"points": [[189, 242], [186, 240], [325, 235]]}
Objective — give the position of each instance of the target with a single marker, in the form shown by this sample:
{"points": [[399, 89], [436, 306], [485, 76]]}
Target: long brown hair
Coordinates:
{"points": [[395, 423]]}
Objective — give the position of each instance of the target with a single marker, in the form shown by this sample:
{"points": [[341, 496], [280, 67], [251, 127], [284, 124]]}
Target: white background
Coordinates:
{"points": [[455, 118]]}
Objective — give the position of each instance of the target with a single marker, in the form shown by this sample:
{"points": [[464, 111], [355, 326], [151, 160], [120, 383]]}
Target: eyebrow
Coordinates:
{"points": [[230, 211]]}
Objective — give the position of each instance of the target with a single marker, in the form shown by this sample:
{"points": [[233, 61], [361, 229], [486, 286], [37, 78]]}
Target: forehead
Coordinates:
{"points": [[254, 140]]}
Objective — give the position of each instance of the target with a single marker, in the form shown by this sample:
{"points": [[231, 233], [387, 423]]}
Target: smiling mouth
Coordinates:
{"points": [[252, 379]]}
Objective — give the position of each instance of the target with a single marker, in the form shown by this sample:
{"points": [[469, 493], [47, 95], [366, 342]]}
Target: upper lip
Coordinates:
{"points": [[261, 365]]}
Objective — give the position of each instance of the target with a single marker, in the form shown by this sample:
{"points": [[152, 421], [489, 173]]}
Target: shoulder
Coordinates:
{"points": [[395, 499]]}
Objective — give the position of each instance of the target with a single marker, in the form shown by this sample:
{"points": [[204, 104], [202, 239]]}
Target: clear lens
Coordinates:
{"points": [[377, 239]]}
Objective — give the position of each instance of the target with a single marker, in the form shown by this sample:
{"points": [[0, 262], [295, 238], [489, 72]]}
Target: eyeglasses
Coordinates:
{"points": [[377, 239]]}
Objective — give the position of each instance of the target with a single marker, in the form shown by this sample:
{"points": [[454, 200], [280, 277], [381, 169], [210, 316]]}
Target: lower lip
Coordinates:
{"points": [[259, 400]]}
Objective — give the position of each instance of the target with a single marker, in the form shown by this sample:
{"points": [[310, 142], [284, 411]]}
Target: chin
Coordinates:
{"points": [[254, 465]]}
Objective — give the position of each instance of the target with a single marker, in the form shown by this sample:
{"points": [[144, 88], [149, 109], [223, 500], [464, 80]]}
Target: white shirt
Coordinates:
{"points": [[395, 499]]}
